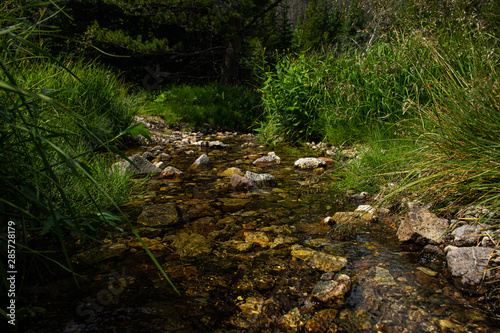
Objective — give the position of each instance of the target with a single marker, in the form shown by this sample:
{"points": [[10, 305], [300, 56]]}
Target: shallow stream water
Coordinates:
{"points": [[236, 285]]}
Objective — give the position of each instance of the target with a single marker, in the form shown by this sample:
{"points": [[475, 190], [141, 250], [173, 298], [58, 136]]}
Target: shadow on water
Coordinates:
{"points": [[239, 275]]}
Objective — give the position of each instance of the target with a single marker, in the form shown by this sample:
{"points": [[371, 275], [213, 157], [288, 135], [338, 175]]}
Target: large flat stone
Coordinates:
{"points": [[159, 215], [421, 226]]}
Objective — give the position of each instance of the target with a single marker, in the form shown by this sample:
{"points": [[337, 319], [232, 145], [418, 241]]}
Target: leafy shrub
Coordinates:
{"points": [[221, 106], [292, 97]]}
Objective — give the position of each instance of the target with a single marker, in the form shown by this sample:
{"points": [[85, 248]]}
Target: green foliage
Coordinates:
{"points": [[321, 26], [91, 91], [292, 97], [381, 161], [52, 124], [213, 104], [459, 135]]}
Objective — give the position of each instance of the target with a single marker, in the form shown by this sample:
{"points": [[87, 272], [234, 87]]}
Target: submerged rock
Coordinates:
{"points": [[258, 237], [253, 313], [323, 322], [421, 226], [292, 320], [159, 215], [233, 204], [96, 255], [261, 179], [191, 245], [319, 260], [332, 290], [384, 277]]}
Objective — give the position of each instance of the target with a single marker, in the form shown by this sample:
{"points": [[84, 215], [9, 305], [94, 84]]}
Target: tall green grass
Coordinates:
{"points": [[58, 121], [459, 134], [344, 97]]}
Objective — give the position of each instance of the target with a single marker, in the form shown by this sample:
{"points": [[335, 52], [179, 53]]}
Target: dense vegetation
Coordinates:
{"points": [[414, 83]]}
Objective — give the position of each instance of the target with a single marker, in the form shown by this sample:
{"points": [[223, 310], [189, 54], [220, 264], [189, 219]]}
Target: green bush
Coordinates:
{"points": [[91, 91], [293, 97], [217, 105]]}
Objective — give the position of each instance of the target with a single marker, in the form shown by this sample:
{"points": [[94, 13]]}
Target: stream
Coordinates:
{"points": [[232, 255]]}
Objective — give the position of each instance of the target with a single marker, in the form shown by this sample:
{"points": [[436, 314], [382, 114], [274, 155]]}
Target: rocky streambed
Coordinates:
{"points": [[246, 235]]}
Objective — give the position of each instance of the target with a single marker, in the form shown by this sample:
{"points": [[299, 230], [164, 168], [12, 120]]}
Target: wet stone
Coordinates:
{"points": [[202, 162], [171, 173], [252, 313], [309, 163], [159, 215], [196, 209], [191, 245], [257, 237], [292, 321], [99, 254], [262, 179], [329, 291], [164, 157], [384, 277], [427, 271], [241, 183], [322, 321], [267, 160], [319, 260], [148, 155], [233, 204], [282, 241], [229, 172]]}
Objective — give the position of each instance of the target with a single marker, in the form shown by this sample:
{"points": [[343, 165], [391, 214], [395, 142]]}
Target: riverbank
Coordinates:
{"points": [[263, 259]]}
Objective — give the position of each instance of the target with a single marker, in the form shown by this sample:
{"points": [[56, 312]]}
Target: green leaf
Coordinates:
{"points": [[136, 129]]}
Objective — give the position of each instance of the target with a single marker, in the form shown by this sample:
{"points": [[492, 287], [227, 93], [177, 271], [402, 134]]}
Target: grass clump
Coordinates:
{"points": [[459, 135]]}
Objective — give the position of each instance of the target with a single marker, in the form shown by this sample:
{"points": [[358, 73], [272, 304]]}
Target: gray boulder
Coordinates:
{"points": [[309, 163], [241, 183], [201, 162], [171, 173], [267, 160], [142, 166], [466, 235], [261, 179], [469, 263], [421, 226]]}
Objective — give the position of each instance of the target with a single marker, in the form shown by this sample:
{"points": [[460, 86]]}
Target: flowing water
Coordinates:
{"points": [[241, 276]]}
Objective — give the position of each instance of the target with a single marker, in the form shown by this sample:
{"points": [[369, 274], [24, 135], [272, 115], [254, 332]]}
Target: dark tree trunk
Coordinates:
{"points": [[230, 67]]}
